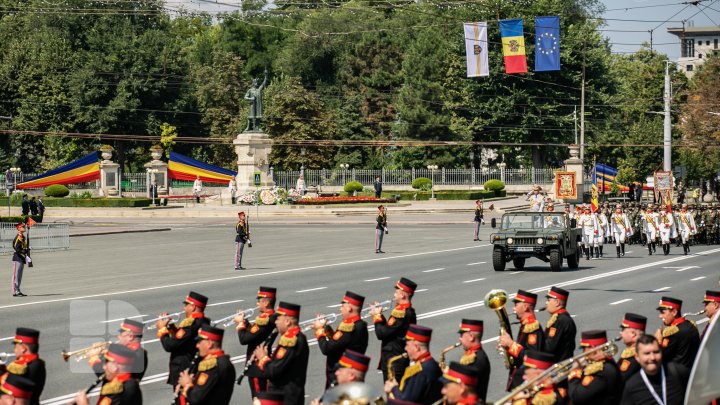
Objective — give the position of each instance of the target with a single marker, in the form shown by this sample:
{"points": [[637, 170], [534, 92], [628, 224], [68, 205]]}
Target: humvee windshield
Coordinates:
{"points": [[541, 220]]}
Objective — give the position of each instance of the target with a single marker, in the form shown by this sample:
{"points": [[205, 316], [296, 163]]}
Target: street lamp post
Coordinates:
{"points": [[302, 161], [345, 168], [14, 171], [432, 169], [152, 173]]}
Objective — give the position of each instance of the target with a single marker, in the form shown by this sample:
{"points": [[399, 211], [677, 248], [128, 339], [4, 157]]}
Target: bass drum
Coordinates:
{"points": [[704, 384]]}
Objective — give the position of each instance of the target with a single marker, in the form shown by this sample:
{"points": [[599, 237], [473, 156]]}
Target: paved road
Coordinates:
{"points": [[106, 278]]}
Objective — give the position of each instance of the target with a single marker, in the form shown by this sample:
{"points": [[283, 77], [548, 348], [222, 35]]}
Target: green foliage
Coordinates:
{"points": [[494, 185], [168, 133], [627, 174], [447, 195], [84, 194], [352, 186], [16, 219], [421, 183], [97, 202], [57, 190]]}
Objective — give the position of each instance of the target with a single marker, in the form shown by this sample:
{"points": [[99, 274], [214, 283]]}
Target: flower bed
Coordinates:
{"points": [[341, 200]]}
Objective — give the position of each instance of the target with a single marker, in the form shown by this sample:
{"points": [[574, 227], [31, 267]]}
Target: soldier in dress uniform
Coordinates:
{"points": [[130, 336], [631, 328], [380, 228], [420, 381], [460, 384], [621, 228], [254, 334], [286, 366], [537, 201], [552, 220], [16, 390], [599, 382], [650, 227], [392, 331], [213, 380], [666, 223], [269, 398], [242, 237], [471, 332], [588, 223], [351, 368], [392, 401], [350, 334], [479, 219], [28, 363], [179, 340], [679, 338], [687, 227], [534, 364], [560, 331], [712, 307], [118, 385], [530, 336], [602, 228]]}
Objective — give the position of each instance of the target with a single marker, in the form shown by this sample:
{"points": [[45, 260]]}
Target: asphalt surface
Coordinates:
{"points": [[79, 296]]}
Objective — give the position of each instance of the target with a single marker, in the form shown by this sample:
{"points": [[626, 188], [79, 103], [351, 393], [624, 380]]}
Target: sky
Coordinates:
{"points": [[655, 15]]}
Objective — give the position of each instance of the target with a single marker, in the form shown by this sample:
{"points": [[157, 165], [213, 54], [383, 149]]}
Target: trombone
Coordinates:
{"points": [[5, 356], [310, 323], [174, 317], [231, 318], [82, 353]]}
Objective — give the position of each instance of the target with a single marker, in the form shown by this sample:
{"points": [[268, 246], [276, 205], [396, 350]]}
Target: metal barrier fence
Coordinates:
{"points": [[42, 237]]}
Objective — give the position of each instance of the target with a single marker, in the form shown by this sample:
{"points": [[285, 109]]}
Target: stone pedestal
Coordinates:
{"points": [[575, 164], [109, 176], [157, 170], [253, 150]]}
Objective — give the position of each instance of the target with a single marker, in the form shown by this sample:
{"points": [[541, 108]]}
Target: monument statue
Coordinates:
{"points": [[254, 95]]}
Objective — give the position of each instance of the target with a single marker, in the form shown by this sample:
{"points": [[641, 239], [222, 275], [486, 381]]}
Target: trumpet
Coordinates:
{"points": [[82, 353], [391, 362], [556, 373], [5, 356], [367, 311], [174, 317], [310, 323], [496, 300], [698, 313], [247, 314], [445, 350]]}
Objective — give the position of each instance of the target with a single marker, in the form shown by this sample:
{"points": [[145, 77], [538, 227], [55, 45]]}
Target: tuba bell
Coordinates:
{"points": [[355, 393], [496, 300]]}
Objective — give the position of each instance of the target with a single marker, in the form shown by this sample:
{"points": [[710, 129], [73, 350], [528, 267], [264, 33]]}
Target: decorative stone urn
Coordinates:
{"points": [[106, 152], [156, 152]]}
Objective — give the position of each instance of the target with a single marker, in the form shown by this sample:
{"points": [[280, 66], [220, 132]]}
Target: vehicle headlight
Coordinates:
{"points": [[509, 241], [540, 241], [496, 237]]}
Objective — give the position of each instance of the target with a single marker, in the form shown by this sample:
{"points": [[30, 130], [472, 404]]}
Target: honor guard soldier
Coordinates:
{"points": [[621, 229], [471, 332], [420, 381], [530, 336], [351, 368], [560, 331], [286, 366], [536, 199], [686, 227], [712, 306], [242, 229], [651, 227], [679, 338], [16, 390], [213, 380], [631, 328], [588, 223], [254, 334], [130, 336], [534, 364], [20, 257], [479, 219], [380, 228], [599, 382], [351, 334], [179, 340], [392, 331], [602, 228], [27, 362], [118, 385], [459, 384], [666, 224]]}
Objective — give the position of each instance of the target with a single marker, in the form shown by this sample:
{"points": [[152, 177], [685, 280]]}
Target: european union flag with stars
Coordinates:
{"points": [[547, 43]]}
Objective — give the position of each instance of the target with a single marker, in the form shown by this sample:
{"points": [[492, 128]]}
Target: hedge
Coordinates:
{"points": [[422, 183], [20, 218], [353, 186], [445, 195], [494, 185], [56, 190], [90, 202]]}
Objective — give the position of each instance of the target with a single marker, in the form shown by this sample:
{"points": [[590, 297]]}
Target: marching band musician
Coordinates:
{"points": [[118, 385], [530, 336], [392, 331], [351, 368], [679, 338], [420, 382], [286, 366], [712, 305], [130, 336], [256, 334], [460, 383], [471, 332], [650, 227], [621, 228], [686, 225], [667, 224], [534, 364], [213, 380], [560, 331], [599, 382], [179, 340], [631, 328], [588, 223], [351, 334], [16, 390], [28, 363], [269, 398]]}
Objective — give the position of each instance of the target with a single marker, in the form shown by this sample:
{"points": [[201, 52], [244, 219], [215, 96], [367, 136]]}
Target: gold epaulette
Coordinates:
{"points": [[287, 341], [186, 322], [593, 368], [692, 323], [552, 320], [17, 369], [544, 399], [346, 326], [409, 372], [627, 353], [112, 388], [468, 359], [262, 320], [531, 327], [208, 364], [670, 330], [398, 313]]}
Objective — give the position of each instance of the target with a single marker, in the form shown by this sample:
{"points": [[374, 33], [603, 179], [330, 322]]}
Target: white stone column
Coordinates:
{"points": [[109, 175], [253, 152], [157, 170], [575, 164]]}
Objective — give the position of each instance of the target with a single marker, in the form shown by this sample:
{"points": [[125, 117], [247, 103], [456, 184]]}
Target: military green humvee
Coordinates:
{"points": [[548, 236]]}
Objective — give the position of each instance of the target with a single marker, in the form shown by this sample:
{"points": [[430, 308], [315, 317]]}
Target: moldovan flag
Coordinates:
{"points": [[476, 49], [511, 32], [594, 198]]}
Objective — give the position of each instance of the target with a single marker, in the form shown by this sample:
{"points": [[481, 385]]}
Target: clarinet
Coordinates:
{"points": [[91, 387], [191, 369], [251, 360]]}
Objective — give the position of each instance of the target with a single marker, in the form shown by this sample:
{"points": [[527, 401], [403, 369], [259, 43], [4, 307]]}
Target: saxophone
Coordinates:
{"points": [[391, 362], [445, 350]]}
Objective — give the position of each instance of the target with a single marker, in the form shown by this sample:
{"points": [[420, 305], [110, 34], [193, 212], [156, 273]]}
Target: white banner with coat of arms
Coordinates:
{"points": [[476, 49]]}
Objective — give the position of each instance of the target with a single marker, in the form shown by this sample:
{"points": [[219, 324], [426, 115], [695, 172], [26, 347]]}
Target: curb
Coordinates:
{"points": [[118, 232]]}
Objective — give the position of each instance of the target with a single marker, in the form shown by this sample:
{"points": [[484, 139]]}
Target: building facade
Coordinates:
{"points": [[696, 45]]}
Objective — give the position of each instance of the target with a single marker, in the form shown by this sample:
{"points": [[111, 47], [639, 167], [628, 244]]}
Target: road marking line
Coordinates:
{"points": [[515, 272], [621, 301], [683, 268], [697, 278], [122, 319], [311, 289], [269, 273], [662, 289], [421, 290], [472, 281], [377, 279], [473, 264], [573, 316], [433, 270]]}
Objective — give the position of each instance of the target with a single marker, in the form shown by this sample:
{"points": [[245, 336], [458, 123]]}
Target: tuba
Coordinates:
{"points": [[445, 350], [391, 363], [355, 393], [496, 300]]}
